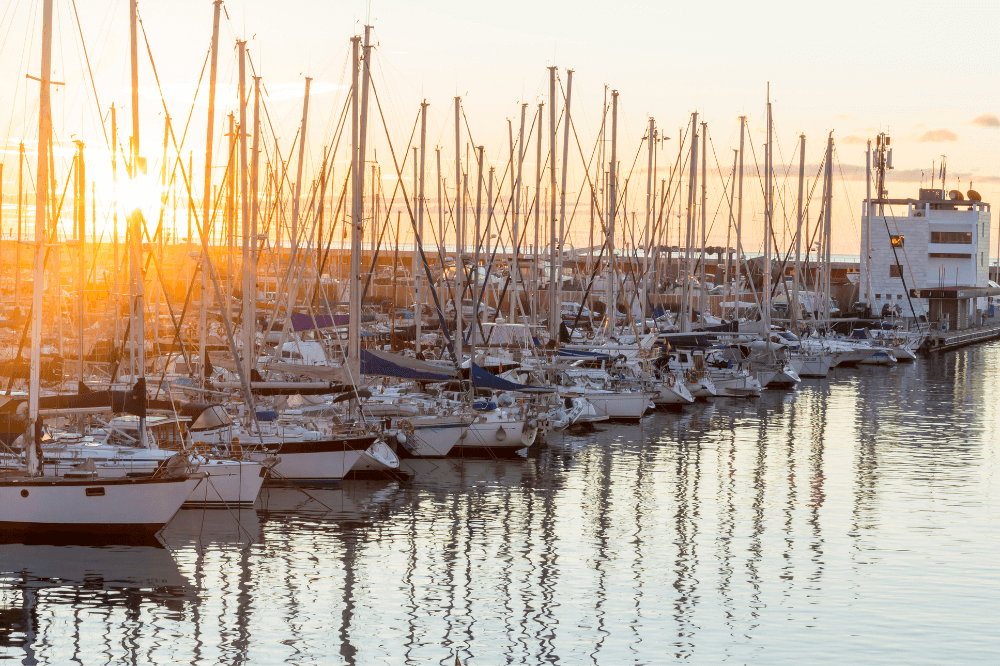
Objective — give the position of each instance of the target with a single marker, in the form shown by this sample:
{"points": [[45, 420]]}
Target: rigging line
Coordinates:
{"points": [[419, 245], [93, 84], [156, 77]]}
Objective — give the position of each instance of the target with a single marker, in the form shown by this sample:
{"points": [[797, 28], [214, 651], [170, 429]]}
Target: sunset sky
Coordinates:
{"points": [[916, 69]]}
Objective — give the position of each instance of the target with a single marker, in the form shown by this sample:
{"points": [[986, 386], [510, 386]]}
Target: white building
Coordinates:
{"points": [[934, 243]]}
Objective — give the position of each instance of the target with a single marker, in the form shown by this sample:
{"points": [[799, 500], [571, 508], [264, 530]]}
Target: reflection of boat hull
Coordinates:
{"points": [[320, 461], [92, 507]]}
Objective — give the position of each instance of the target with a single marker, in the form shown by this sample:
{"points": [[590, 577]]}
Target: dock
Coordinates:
{"points": [[942, 341]]}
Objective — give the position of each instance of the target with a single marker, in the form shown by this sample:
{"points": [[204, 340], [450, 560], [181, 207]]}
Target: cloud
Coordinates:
{"points": [[986, 120], [853, 140], [844, 116], [938, 136]]}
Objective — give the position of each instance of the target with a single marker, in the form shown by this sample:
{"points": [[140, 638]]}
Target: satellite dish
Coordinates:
{"points": [[974, 196], [955, 195]]}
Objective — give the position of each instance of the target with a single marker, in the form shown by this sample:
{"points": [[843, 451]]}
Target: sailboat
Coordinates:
{"points": [[76, 502]]}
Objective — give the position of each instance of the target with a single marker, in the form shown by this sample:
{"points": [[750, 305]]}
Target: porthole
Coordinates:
{"points": [[24, 492]]}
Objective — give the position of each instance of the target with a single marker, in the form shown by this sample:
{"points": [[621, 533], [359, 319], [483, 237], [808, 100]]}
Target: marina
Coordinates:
{"points": [[342, 370]]}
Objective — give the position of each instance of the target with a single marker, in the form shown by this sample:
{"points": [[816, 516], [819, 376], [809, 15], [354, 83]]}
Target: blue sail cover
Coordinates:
{"points": [[580, 353], [308, 322], [481, 377], [393, 365]]}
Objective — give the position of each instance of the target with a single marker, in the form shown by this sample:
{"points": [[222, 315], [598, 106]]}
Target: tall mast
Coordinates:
{"points": [[827, 229], [562, 195], [794, 305], [230, 227], [207, 194], [250, 313], [134, 41], [645, 237], [689, 228], [247, 287], [554, 307], [768, 222], [136, 222], [475, 264], [612, 311], [739, 221], [418, 273], [868, 224], [360, 118], [459, 234], [20, 211], [440, 209], [81, 219], [702, 291], [538, 210], [34, 425], [515, 271]]}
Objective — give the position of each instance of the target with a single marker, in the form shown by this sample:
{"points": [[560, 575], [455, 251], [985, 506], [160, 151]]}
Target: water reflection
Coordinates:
{"points": [[850, 517]]}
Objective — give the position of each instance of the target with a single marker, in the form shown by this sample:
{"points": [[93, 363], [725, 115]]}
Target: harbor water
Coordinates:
{"points": [[852, 520]]}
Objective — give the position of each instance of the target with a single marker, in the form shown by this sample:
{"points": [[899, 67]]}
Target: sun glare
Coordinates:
{"points": [[140, 193]]}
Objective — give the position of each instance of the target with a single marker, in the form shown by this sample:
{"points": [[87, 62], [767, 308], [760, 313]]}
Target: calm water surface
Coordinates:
{"points": [[854, 520]]}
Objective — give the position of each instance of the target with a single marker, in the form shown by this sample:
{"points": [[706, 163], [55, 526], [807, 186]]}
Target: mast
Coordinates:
{"points": [[827, 229], [645, 237], [554, 307], [440, 209], [562, 196], [868, 223], [357, 200], [20, 212], [515, 271], [231, 209], [207, 195], [81, 219], [459, 234], [134, 41], [34, 425], [250, 313], [475, 265], [136, 223], [739, 223], [794, 306], [768, 222], [702, 291], [612, 311], [538, 210], [247, 287], [689, 226], [418, 273]]}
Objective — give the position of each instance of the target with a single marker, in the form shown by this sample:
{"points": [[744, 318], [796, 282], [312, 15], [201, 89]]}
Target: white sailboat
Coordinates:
{"points": [[76, 502]]}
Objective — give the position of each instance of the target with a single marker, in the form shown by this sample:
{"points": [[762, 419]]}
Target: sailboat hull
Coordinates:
{"points": [[314, 462], [92, 506]]}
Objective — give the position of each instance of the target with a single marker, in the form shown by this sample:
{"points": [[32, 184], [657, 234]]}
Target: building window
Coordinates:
{"points": [[899, 296], [952, 237], [949, 255], [896, 271], [878, 297], [897, 240]]}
